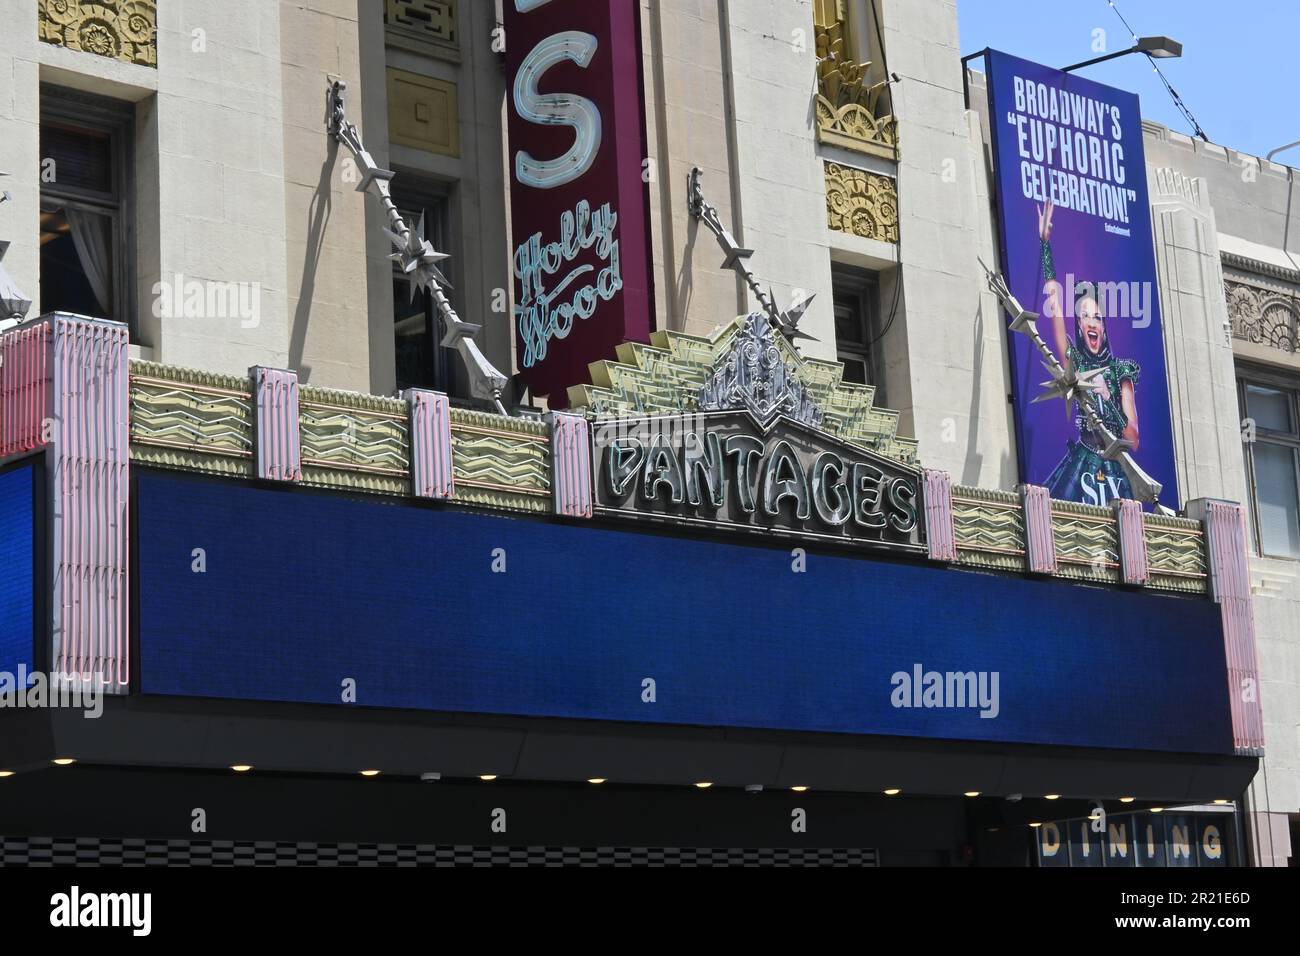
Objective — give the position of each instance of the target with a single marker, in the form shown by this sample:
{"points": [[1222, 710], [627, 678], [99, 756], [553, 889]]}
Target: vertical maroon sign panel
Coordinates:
{"points": [[577, 195]]}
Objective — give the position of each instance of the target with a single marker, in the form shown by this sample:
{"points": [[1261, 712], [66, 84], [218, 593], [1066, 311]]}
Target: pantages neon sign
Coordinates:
{"points": [[754, 458]]}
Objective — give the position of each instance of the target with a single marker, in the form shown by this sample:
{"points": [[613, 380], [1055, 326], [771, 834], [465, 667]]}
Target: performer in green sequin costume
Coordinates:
{"points": [[1083, 474]]}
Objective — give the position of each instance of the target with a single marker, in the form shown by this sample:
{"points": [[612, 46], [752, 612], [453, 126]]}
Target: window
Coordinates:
{"points": [[857, 305], [422, 362], [87, 231], [1273, 463]]}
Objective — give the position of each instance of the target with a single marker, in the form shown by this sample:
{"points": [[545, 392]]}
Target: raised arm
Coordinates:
{"points": [[1128, 399], [1052, 292]]}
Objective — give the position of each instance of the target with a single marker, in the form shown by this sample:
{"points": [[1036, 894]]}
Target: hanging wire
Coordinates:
{"points": [[1169, 87]]}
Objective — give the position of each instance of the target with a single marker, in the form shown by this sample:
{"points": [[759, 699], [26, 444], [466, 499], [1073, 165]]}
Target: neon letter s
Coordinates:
{"points": [[557, 109]]}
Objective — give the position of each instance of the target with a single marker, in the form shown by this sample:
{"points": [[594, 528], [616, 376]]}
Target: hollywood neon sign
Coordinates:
{"points": [[577, 142]]}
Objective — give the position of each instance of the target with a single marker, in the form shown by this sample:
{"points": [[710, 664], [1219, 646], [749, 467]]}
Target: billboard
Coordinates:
{"points": [[539, 618], [577, 158], [1077, 249]]}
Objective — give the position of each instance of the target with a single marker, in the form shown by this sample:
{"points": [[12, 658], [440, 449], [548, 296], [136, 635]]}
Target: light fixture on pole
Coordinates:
{"points": [[1269, 157], [1162, 48]]}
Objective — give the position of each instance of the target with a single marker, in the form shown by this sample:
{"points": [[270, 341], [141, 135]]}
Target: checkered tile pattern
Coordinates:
{"points": [[97, 851]]}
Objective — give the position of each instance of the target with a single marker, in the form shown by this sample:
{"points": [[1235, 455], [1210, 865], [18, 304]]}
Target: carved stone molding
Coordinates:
{"points": [[118, 29], [423, 26], [422, 112], [848, 106], [861, 203], [1263, 312]]}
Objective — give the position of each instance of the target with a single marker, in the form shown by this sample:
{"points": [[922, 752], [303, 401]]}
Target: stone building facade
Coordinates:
{"points": [[835, 139]]}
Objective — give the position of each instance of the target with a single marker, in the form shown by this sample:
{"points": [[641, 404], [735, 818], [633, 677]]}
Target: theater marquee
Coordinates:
{"points": [[753, 458]]}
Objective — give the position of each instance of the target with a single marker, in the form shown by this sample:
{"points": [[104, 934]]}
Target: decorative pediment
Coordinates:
{"points": [[752, 374], [677, 373]]}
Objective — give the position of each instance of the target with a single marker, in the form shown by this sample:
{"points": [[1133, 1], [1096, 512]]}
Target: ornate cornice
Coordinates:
{"points": [[1257, 266], [118, 29]]}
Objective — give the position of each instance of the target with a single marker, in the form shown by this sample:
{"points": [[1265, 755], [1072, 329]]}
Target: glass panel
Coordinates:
{"points": [[855, 369], [1277, 499], [76, 262], [1269, 407], [848, 321], [77, 158], [413, 348]]}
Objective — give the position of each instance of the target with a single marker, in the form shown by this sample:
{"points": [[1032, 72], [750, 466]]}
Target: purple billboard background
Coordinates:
{"points": [[1082, 246]]}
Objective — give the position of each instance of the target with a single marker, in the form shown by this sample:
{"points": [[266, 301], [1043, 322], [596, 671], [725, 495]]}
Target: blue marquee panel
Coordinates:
{"points": [[17, 566], [303, 590]]}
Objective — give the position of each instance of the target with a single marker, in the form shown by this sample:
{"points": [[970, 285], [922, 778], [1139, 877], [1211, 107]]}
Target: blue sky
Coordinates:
{"points": [[1238, 73]]}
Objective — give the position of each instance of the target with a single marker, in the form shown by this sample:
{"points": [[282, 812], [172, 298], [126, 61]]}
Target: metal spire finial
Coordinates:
{"points": [[1073, 387], [416, 257], [787, 322]]}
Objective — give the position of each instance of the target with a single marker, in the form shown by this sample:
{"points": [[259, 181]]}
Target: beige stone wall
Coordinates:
{"points": [[215, 203], [1241, 209], [20, 57], [949, 373]]}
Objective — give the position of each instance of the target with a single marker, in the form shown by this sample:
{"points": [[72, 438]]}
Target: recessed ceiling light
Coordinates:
{"points": [[1127, 799], [800, 789], [487, 777], [972, 793], [65, 761], [1222, 802], [1157, 809], [370, 773], [893, 792], [595, 780], [241, 767], [704, 784], [6, 773], [1052, 796], [1035, 825]]}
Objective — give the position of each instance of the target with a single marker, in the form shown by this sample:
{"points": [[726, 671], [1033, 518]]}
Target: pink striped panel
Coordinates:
{"points": [[89, 460], [25, 374], [1132, 541], [1040, 543], [938, 515], [279, 446], [1229, 571], [571, 487], [431, 472], [1225, 538]]}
